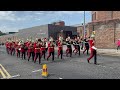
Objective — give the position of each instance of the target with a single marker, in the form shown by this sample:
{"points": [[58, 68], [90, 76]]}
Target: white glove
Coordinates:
{"points": [[93, 47]]}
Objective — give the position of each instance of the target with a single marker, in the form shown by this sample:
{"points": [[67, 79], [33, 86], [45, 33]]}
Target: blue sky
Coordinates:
{"points": [[15, 20]]}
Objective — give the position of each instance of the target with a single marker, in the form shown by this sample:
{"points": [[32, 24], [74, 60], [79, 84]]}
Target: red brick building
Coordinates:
{"points": [[107, 27]]}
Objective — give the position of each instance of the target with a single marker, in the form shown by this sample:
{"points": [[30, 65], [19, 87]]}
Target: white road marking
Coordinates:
{"points": [[60, 78], [37, 70], [103, 66], [111, 67], [15, 76]]}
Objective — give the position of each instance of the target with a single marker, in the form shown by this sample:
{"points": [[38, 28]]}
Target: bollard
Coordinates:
{"points": [[44, 71]]}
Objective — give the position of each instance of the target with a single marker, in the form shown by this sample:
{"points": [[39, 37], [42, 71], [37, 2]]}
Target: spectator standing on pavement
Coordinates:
{"points": [[118, 44]]}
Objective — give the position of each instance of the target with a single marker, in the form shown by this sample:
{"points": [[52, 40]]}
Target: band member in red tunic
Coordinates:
{"points": [[69, 47], [37, 52], [18, 49], [30, 51], [93, 53], [51, 49], [23, 54], [13, 46], [86, 46], [42, 49], [60, 49], [90, 42], [7, 48]]}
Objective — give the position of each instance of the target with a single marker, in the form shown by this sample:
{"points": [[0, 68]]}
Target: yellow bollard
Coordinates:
{"points": [[44, 71]]}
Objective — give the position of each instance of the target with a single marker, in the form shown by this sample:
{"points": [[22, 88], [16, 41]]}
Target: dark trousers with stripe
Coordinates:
{"points": [[18, 53], [93, 54], [60, 52], [43, 53], [23, 54], [50, 55], [37, 55], [78, 49], [30, 54], [86, 48], [69, 51]]}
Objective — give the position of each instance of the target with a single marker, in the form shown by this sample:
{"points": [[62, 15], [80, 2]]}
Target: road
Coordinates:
{"points": [[68, 68]]}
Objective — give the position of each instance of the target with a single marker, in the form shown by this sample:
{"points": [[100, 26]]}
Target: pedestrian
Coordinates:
{"points": [[93, 53], [118, 44]]}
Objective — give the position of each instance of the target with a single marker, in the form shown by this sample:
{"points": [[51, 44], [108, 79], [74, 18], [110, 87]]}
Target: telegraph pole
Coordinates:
{"points": [[84, 26]]}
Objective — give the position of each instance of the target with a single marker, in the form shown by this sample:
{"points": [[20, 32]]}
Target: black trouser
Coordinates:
{"points": [[37, 55], [78, 49], [69, 52], [86, 48], [13, 51], [29, 55], [95, 56], [82, 46], [118, 47], [18, 53], [23, 55], [50, 55], [43, 53], [60, 53], [7, 50], [46, 50]]}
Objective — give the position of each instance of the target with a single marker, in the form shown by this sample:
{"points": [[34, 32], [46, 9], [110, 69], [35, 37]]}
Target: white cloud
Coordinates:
{"points": [[8, 29], [9, 16]]}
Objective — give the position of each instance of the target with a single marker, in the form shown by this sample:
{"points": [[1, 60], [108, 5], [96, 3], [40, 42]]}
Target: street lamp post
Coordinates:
{"points": [[84, 25]]}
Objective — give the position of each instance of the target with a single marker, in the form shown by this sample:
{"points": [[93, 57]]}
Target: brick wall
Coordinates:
{"points": [[116, 14], [107, 34], [106, 15], [105, 38]]}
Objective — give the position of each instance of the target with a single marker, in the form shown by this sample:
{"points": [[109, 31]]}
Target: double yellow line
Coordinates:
{"points": [[4, 73]]}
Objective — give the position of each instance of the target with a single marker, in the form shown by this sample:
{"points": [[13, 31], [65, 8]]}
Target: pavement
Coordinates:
{"points": [[108, 52]]}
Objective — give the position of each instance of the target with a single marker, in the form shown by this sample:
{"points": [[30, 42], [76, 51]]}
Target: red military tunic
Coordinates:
{"points": [[90, 42], [42, 48], [30, 49], [59, 46], [37, 48], [50, 48], [22, 48]]}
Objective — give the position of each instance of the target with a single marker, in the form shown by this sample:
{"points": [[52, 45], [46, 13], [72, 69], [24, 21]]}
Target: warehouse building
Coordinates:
{"points": [[45, 31]]}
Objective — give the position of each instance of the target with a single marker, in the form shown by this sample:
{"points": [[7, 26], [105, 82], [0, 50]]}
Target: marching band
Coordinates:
{"points": [[38, 48]]}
